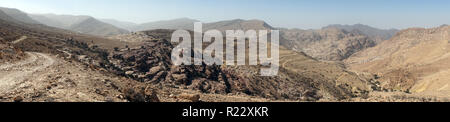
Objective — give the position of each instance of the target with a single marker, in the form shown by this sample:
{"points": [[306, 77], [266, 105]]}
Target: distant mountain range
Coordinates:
{"points": [[238, 24], [300, 82], [377, 34], [82, 24], [96, 27], [188, 24], [5, 16]]}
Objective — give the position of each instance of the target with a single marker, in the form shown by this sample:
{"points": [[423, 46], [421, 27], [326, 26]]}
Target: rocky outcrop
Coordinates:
{"points": [[151, 63]]}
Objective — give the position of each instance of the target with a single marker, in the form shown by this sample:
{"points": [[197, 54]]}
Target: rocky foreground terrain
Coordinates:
{"points": [[301, 77]]}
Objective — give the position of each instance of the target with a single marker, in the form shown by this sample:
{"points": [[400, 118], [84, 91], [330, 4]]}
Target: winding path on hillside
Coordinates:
{"points": [[15, 73]]}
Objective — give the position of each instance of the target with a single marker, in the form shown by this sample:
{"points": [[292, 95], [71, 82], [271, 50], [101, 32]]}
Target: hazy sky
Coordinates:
{"points": [[303, 14]]}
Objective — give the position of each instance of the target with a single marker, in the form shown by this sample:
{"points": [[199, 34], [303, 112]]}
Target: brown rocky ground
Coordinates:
{"points": [[62, 66]]}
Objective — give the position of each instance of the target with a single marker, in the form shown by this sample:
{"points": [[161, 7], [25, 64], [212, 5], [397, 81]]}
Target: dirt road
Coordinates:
{"points": [[12, 74], [20, 39]]}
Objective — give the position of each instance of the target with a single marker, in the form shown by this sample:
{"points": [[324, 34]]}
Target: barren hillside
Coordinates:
{"points": [[331, 44], [81, 24], [96, 27], [378, 35], [415, 60], [238, 24], [60, 66], [18, 15]]}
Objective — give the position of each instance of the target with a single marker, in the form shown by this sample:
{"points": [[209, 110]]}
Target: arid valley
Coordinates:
{"points": [[80, 58]]}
